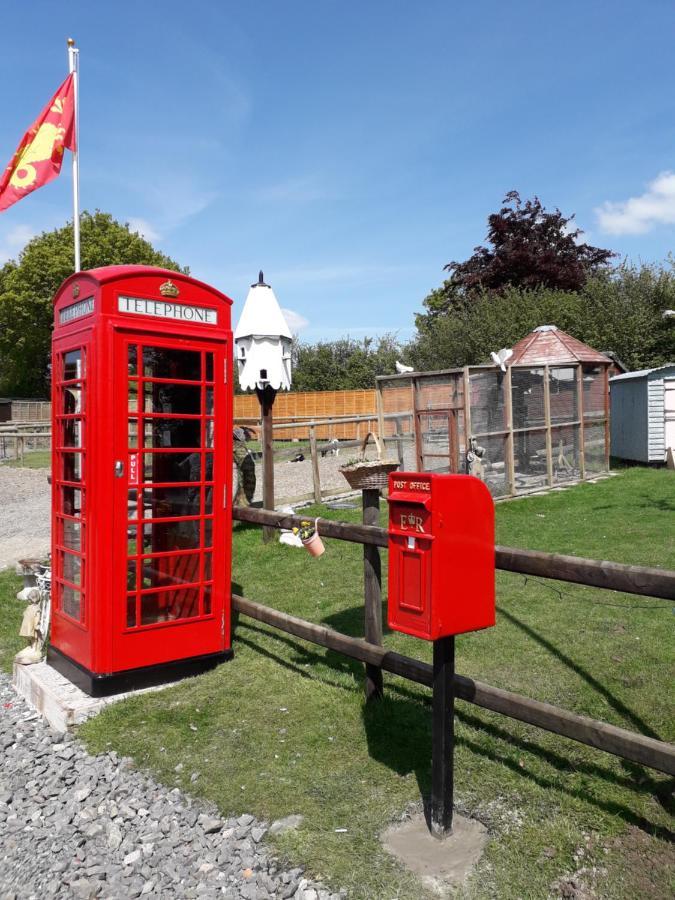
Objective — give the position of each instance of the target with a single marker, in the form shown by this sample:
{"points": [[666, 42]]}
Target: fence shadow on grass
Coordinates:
{"points": [[617, 705], [398, 728]]}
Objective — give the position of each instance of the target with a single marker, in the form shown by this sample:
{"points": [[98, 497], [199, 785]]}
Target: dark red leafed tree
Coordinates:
{"points": [[529, 247]]}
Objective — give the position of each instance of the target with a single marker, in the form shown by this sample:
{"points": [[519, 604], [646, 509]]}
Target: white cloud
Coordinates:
{"points": [[294, 320], [144, 228], [14, 241], [640, 214]]}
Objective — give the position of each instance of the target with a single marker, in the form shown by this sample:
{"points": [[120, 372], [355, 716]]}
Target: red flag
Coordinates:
{"points": [[39, 156]]}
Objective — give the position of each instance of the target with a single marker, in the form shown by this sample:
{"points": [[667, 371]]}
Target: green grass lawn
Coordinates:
{"points": [[33, 459], [283, 727]]}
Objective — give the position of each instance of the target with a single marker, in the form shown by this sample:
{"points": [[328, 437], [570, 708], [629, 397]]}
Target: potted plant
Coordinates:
{"points": [[309, 535]]}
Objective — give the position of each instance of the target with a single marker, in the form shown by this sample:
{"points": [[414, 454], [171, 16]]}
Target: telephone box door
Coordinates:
{"points": [[170, 493]]}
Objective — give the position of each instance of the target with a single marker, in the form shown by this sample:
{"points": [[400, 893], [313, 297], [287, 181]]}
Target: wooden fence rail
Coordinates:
{"points": [[618, 741], [649, 582], [626, 744]]}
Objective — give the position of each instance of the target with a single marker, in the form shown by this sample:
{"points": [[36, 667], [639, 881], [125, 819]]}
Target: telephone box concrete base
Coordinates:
{"points": [[132, 679]]}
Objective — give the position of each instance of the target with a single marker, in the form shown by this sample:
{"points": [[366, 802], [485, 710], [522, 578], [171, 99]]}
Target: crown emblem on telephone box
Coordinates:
{"points": [[168, 289]]}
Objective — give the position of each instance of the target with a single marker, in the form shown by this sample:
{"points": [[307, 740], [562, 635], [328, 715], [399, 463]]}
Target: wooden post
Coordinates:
{"points": [[417, 425], [510, 455], [372, 589], [547, 422], [266, 397], [580, 417], [466, 375], [314, 453], [443, 737], [605, 382]]}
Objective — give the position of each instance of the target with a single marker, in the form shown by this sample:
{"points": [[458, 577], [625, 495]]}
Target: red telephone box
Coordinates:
{"points": [[141, 475], [441, 554]]}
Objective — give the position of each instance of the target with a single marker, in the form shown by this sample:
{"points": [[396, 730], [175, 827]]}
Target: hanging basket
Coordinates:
{"points": [[369, 475]]}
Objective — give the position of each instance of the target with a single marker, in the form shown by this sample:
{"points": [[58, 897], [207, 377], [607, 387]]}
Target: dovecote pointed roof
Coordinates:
{"points": [[548, 344], [262, 315]]}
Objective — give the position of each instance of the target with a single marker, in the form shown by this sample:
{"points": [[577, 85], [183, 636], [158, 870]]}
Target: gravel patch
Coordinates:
{"points": [[80, 826], [25, 523]]}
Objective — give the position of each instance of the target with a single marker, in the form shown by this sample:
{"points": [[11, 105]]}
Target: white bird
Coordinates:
{"points": [[499, 358], [401, 369]]}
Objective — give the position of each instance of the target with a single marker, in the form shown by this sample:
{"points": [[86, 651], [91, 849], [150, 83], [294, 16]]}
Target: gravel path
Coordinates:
{"points": [[25, 518], [79, 826]]}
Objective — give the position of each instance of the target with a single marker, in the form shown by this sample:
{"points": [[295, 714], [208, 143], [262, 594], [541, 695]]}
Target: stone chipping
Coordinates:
{"points": [[82, 826]]}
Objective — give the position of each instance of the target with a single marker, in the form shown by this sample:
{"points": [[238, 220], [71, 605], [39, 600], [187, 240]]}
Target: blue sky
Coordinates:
{"points": [[350, 149]]}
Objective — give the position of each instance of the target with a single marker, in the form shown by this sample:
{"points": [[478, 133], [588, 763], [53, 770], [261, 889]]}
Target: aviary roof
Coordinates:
{"points": [[548, 344]]}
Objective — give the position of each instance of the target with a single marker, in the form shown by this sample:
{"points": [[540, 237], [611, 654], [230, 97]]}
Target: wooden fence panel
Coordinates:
{"points": [[308, 405]]}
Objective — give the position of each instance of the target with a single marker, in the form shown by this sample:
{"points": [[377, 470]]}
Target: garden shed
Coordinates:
{"points": [[643, 414], [543, 421]]}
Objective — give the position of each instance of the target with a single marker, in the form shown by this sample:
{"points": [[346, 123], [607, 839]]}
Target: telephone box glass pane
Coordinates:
{"points": [[172, 398], [133, 396], [72, 399], [72, 535], [173, 433], [207, 567], [207, 600], [165, 571], [183, 365], [209, 401], [165, 606], [72, 568], [208, 371], [131, 575], [133, 433], [163, 537], [72, 433], [166, 503], [71, 602], [72, 365], [132, 359], [72, 501], [72, 466], [160, 467]]}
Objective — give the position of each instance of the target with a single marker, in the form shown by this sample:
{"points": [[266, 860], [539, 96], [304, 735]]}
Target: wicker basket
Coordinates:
{"points": [[369, 475]]}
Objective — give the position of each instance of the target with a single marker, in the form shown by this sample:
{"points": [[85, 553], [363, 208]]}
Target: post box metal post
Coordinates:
{"points": [[441, 583], [141, 477]]}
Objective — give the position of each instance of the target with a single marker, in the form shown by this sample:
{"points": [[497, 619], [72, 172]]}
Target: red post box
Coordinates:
{"points": [[441, 554], [141, 477]]}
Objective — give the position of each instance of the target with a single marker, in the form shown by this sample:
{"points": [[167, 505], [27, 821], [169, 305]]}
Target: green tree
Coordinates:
{"points": [[28, 285], [620, 311], [345, 364]]}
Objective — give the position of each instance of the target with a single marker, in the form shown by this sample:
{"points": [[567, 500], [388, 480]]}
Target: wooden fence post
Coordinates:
{"points": [[316, 480], [266, 397], [547, 422], [372, 584], [443, 737]]}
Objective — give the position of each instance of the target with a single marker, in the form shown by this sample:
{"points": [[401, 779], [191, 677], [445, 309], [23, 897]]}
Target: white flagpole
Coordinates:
{"points": [[74, 67]]}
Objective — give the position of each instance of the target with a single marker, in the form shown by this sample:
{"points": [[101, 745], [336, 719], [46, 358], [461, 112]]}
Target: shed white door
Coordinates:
{"points": [[669, 413]]}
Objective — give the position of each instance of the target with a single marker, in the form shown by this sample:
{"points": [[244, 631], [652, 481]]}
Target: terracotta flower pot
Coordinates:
{"points": [[314, 545]]}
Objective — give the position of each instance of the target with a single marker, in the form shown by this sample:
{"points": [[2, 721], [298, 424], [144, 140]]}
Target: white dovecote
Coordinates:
{"points": [[263, 341]]}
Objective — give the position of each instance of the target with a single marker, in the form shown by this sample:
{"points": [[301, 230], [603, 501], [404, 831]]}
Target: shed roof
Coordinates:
{"points": [[642, 373], [548, 344]]}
